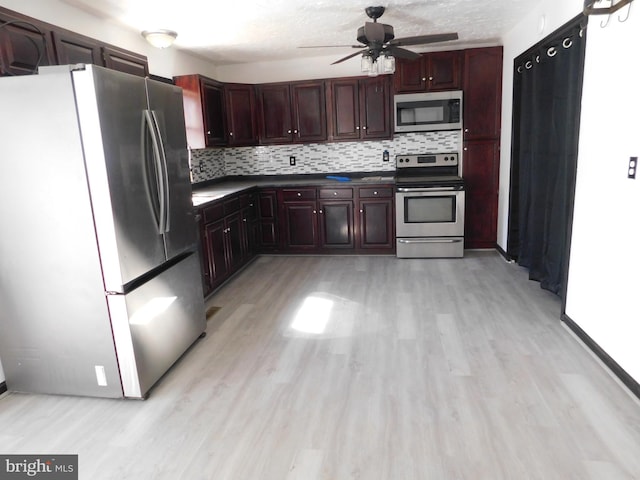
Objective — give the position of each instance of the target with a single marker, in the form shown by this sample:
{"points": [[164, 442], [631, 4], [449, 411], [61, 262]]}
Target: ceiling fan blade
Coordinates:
{"points": [[332, 46], [349, 56], [402, 53], [424, 39]]}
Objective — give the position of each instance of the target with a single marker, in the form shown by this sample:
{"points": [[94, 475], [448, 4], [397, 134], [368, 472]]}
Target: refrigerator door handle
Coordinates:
{"points": [[165, 173], [156, 184]]}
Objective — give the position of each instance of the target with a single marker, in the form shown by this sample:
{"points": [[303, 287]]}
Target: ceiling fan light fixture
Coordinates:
{"points": [[389, 64], [366, 63], [160, 38]]}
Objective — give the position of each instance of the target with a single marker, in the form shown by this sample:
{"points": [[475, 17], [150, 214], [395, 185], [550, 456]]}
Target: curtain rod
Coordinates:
{"points": [[591, 9]]}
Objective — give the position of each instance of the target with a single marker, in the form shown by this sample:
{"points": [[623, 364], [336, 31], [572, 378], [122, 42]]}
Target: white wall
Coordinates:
{"points": [[164, 62], [545, 18], [604, 265]]}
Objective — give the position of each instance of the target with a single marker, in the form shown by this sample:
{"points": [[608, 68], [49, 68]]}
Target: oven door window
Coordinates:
{"points": [[432, 209]]}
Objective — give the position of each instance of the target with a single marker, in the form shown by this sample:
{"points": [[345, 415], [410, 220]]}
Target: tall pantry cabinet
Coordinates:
{"points": [[482, 85]]}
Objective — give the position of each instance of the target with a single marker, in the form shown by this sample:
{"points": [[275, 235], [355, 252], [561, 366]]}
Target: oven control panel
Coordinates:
{"points": [[427, 160]]}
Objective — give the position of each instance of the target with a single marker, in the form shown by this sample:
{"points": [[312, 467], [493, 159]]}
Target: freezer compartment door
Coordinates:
{"points": [[156, 323], [166, 109]]}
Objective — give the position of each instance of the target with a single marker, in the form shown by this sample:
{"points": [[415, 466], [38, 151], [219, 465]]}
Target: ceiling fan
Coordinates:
{"points": [[377, 39]]}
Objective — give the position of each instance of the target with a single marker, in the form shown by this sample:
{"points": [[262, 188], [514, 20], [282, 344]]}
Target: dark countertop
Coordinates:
{"points": [[213, 190]]}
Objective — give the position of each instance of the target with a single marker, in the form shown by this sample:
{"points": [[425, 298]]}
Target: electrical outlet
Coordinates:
{"points": [[633, 166], [292, 161], [385, 156]]}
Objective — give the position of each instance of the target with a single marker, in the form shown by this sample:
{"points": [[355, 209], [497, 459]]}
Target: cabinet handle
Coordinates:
{"points": [[320, 211], [361, 211], [431, 79], [465, 149], [424, 79], [357, 128], [314, 211], [466, 130], [231, 134], [295, 131], [335, 193], [364, 128], [244, 219], [375, 193], [288, 131], [299, 194], [208, 132]]}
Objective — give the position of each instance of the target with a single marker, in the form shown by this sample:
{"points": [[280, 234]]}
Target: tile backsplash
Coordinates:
{"points": [[333, 157]]}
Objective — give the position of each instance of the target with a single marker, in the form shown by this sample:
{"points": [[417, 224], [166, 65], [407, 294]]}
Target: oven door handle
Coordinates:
{"points": [[429, 240], [429, 190]]}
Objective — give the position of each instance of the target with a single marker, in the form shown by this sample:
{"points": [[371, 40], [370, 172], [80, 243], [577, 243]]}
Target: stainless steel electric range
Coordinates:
{"points": [[429, 206]]}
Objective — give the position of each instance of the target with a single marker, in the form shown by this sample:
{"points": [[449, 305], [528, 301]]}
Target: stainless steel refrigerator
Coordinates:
{"points": [[100, 289]]}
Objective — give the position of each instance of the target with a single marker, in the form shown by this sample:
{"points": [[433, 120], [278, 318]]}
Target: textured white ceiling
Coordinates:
{"points": [[243, 31]]}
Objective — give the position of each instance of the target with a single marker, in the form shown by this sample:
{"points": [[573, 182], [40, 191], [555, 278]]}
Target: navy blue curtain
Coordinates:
{"points": [[547, 95]]}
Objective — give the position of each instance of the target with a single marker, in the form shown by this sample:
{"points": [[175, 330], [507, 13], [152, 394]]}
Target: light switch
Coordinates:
{"points": [[633, 165]]}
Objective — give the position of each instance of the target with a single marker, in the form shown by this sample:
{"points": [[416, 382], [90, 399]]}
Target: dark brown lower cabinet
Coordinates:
{"points": [[336, 224], [322, 220], [268, 239], [228, 237], [481, 160], [376, 221]]}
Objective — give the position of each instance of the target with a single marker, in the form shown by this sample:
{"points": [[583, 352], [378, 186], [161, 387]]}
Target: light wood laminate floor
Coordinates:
{"points": [[366, 368]]}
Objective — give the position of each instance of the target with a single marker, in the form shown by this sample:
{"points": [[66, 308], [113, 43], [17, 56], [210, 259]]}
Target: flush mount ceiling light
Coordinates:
{"points": [[160, 38]]}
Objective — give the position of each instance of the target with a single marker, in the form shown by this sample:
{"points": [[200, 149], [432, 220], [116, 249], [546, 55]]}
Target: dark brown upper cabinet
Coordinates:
{"points": [[74, 48], [124, 61], [25, 44], [360, 108], [240, 107], [204, 113], [482, 93], [432, 72], [292, 112], [28, 43]]}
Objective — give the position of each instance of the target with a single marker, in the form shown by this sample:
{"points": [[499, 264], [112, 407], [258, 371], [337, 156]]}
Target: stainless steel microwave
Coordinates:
{"points": [[425, 112]]}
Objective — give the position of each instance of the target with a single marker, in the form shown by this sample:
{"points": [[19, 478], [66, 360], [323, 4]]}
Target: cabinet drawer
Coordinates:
{"points": [[327, 193], [231, 205], [213, 212], [291, 195], [373, 192]]}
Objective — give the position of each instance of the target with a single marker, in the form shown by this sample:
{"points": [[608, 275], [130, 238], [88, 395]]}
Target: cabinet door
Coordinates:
{"points": [[204, 255], [234, 230], [375, 108], [444, 71], [125, 61], [336, 224], [241, 124], [73, 48], [217, 251], [345, 109], [482, 92], [300, 225], [22, 48], [376, 221], [410, 75], [267, 221], [481, 164], [308, 107], [274, 117], [213, 113]]}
